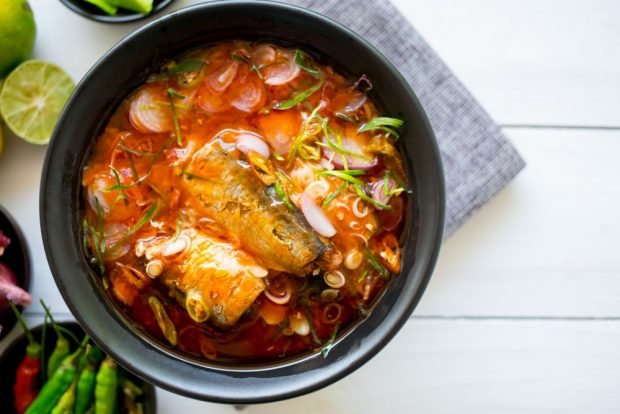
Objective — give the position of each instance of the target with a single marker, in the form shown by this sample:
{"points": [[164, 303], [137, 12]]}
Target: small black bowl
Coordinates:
{"points": [[17, 259], [15, 352], [92, 12], [125, 67]]}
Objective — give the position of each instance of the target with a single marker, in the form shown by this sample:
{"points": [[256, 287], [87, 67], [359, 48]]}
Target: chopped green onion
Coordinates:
{"points": [[175, 119], [333, 195], [280, 192], [383, 123], [300, 59], [363, 275], [372, 260], [300, 97], [188, 65]]}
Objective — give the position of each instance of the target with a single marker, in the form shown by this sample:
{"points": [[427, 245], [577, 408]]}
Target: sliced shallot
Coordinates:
{"points": [[359, 161], [316, 217], [221, 79], [378, 191], [249, 96], [249, 142], [283, 72], [149, 112]]}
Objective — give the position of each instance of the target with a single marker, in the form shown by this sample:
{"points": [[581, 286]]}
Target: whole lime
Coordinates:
{"points": [[17, 33]]}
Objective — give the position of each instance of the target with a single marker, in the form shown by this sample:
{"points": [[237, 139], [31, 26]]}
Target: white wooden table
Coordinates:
{"points": [[523, 312]]}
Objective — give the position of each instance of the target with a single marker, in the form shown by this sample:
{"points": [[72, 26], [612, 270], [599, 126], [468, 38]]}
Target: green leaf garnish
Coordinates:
{"points": [[300, 59], [383, 123], [374, 262], [188, 65], [333, 195], [280, 192], [300, 97], [175, 119]]}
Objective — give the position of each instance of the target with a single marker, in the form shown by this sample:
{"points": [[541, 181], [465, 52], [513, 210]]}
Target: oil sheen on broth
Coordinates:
{"points": [[244, 203]]}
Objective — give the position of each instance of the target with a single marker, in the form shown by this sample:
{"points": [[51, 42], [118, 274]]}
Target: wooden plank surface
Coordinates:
{"points": [[522, 314], [551, 62], [464, 366]]}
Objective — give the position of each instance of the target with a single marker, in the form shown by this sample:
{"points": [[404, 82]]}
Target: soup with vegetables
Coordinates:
{"points": [[244, 204]]}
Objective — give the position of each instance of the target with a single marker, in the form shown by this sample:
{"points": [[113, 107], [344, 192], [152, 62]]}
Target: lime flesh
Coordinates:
{"points": [[32, 98]]}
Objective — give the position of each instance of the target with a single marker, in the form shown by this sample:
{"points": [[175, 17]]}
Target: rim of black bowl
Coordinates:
{"points": [[16, 350], [60, 221], [17, 258], [92, 12]]}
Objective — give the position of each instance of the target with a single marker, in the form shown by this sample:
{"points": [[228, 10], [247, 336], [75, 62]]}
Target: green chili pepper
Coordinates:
{"points": [[56, 386], [66, 402], [62, 348], [105, 388], [87, 379]]}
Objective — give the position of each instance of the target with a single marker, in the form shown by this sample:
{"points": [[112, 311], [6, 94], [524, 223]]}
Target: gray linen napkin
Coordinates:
{"points": [[477, 158]]}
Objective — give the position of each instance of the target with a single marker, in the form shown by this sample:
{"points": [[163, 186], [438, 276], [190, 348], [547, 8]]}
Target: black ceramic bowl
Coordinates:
{"points": [[92, 12], [17, 259], [124, 68], [15, 352]]}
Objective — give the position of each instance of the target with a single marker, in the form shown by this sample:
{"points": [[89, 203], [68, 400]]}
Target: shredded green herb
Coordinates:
{"points": [[135, 152], [386, 189], [299, 97], [348, 175], [188, 65], [383, 123], [363, 275], [374, 262], [143, 220], [360, 192], [280, 192], [330, 342], [333, 195], [248, 61], [299, 146], [300, 59], [175, 119]]}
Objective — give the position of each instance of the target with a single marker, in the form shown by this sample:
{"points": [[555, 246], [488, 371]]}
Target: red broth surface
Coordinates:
{"points": [[244, 204]]}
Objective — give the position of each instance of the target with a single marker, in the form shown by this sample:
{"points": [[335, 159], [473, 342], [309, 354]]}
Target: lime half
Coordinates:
{"points": [[32, 98]]}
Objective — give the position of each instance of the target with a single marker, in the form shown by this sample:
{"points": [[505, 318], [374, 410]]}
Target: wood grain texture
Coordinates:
{"points": [[552, 62], [547, 244]]}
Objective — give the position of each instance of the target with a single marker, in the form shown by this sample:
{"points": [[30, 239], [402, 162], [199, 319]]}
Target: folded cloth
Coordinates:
{"points": [[478, 160]]}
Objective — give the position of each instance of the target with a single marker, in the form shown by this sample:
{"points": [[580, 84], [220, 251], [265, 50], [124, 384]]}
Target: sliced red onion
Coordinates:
{"points": [[249, 142], [114, 233], [263, 55], [363, 162], [282, 73], [221, 79], [9, 291], [4, 242], [377, 192], [316, 217], [281, 299]]}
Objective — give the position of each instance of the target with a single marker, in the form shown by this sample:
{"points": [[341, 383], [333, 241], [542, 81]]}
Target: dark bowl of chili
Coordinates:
{"points": [[126, 66], [17, 259], [15, 353]]}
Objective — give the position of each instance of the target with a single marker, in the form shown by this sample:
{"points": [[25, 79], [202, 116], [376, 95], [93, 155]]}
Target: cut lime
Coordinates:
{"points": [[32, 98], [1, 124]]}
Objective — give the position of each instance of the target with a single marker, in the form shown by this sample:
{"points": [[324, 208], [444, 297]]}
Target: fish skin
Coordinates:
{"points": [[219, 274], [231, 194]]}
